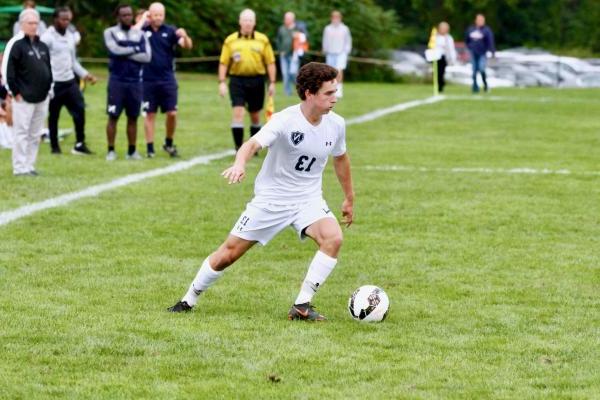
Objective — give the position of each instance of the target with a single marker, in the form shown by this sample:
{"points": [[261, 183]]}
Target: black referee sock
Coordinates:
{"points": [[238, 136], [131, 149], [254, 129], [169, 142], [150, 147]]}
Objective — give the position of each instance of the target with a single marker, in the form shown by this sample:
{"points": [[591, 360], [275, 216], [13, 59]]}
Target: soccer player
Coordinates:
{"points": [[288, 188], [246, 56], [160, 86], [62, 43], [128, 49]]}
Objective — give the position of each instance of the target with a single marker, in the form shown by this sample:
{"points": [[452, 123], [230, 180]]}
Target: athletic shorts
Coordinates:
{"points": [[247, 91], [160, 94], [338, 61], [261, 221], [124, 95]]}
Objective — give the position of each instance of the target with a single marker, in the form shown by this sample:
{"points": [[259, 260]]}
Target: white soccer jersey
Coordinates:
{"points": [[298, 151]]}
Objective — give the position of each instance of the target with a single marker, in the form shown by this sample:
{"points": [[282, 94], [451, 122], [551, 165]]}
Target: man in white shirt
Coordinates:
{"points": [[61, 42], [288, 188], [337, 45]]}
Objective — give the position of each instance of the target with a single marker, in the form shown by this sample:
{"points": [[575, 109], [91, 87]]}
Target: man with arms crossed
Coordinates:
{"points": [[160, 86], [128, 48], [288, 188]]}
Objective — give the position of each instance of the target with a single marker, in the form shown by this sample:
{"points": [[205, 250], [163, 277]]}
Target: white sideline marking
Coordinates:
{"points": [[12, 215], [18, 213], [393, 109], [527, 171]]}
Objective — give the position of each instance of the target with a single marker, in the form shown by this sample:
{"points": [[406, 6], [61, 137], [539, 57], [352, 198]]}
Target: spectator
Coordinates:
{"points": [[246, 56], [337, 45], [479, 39], [444, 43], [30, 5], [28, 77], [61, 42], [160, 85], [285, 46], [128, 48]]}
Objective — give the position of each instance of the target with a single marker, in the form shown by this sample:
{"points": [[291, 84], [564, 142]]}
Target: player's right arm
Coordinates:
{"points": [[113, 47], [237, 172]]}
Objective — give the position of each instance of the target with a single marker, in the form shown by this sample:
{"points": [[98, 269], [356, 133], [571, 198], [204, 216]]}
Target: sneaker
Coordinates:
{"points": [[33, 172], [172, 150], [80, 149], [181, 306], [151, 154], [111, 156], [306, 312], [134, 156]]}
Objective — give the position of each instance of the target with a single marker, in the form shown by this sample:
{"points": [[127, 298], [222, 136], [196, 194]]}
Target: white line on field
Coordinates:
{"points": [[393, 109], [481, 170], [91, 191], [18, 213]]}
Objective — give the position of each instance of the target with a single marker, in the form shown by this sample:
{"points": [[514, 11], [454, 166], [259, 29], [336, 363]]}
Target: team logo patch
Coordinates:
{"points": [[297, 137]]}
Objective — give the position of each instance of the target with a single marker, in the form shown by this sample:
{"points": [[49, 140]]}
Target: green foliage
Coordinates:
{"points": [[556, 24]]}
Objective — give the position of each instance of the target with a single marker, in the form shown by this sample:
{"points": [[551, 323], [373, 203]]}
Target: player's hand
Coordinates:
{"points": [[18, 98], [91, 79], [181, 33], [222, 89], [271, 90], [234, 174], [347, 213]]}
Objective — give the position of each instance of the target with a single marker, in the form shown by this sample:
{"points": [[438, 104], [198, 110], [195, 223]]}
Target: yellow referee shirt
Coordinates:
{"points": [[247, 55]]}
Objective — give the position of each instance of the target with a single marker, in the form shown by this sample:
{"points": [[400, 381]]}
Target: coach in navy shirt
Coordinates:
{"points": [[160, 86], [128, 49]]}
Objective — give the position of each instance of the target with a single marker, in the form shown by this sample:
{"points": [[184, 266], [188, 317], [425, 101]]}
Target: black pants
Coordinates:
{"points": [[66, 94], [440, 73]]}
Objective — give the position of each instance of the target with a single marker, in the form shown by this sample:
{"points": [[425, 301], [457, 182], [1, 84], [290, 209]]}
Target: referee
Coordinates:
{"points": [[247, 56]]}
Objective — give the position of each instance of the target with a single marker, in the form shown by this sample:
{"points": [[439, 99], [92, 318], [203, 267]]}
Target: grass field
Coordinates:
{"points": [[493, 275]]}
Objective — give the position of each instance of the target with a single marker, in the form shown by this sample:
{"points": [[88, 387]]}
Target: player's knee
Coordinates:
{"points": [[332, 243], [171, 114]]}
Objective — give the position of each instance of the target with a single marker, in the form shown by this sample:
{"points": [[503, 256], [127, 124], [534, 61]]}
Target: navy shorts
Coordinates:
{"points": [[160, 94], [124, 95], [247, 91]]}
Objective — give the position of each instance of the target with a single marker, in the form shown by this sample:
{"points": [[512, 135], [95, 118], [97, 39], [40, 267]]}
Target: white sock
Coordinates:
{"points": [[205, 277], [319, 269]]}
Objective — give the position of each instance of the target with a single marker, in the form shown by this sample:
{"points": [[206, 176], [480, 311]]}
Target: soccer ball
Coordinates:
{"points": [[369, 304]]}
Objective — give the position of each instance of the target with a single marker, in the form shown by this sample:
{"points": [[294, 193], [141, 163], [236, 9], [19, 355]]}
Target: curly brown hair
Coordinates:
{"points": [[311, 76]]}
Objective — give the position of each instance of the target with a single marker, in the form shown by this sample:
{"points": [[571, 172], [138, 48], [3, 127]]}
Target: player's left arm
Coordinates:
{"points": [[183, 39], [341, 164]]}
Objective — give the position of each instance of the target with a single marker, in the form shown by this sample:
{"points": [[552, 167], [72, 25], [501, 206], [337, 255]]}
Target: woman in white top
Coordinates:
{"points": [[445, 45]]}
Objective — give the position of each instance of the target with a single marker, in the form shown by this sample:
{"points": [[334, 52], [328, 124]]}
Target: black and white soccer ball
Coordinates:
{"points": [[369, 303]]}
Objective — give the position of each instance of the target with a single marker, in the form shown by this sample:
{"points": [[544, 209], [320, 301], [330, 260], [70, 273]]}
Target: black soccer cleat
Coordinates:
{"points": [[172, 150], [80, 149], [305, 312], [181, 306]]}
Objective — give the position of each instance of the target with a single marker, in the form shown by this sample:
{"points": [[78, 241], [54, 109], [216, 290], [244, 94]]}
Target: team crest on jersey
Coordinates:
{"points": [[297, 137]]}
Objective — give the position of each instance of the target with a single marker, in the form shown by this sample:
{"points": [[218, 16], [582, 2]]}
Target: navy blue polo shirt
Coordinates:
{"points": [[163, 42]]}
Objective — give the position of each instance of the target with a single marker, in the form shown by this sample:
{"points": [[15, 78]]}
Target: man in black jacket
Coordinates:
{"points": [[27, 75]]}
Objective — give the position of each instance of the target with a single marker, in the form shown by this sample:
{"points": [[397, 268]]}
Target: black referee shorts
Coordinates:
{"points": [[247, 91]]}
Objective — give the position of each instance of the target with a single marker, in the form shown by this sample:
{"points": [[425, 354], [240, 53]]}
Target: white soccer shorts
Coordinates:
{"points": [[261, 221]]}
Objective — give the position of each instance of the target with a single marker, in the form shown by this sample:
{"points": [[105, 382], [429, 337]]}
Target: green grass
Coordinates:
{"points": [[493, 278]]}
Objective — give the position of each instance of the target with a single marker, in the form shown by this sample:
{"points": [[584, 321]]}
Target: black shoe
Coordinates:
{"points": [[150, 154], [81, 149], [305, 312], [172, 150], [56, 150], [181, 306]]}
